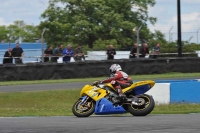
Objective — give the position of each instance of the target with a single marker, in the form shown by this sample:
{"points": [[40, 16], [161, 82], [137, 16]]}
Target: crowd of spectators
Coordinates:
{"points": [[52, 55], [143, 51], [17, 53]]}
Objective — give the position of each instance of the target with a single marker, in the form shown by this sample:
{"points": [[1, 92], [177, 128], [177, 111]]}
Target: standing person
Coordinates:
{"points": [[133, 51], [156, 50], [18, 53], [79, 55], [111, 52], [144, 51], [57, 52], [47, 53], [8, 55], [68, 53]]}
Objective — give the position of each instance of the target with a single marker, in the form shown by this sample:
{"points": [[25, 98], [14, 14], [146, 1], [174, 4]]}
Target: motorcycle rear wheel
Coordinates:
{"points": [[85, 110], [145, 108]]}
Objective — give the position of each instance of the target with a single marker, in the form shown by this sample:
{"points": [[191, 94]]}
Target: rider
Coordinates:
{"points": [[118, 79]]}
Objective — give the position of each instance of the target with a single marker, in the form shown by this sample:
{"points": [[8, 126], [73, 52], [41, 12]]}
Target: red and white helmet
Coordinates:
{"points": [[114, 68]]}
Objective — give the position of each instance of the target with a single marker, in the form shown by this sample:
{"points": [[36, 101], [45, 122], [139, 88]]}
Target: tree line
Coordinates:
{"points": [[93, 23]]}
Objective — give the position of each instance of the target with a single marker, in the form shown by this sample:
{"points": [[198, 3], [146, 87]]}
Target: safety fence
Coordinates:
{"points": [[30, 55], [93, 55]]}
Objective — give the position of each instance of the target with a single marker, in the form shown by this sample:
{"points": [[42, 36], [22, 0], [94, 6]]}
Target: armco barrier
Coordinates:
{"points": [[176, 91]]}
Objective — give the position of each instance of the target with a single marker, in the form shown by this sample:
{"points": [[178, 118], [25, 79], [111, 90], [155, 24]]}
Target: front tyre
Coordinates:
{"points": [[146, 106], [83, 110]]}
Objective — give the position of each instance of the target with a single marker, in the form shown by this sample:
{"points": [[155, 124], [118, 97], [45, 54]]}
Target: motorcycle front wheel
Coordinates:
{"points": [[144, 108], [83, 110]]}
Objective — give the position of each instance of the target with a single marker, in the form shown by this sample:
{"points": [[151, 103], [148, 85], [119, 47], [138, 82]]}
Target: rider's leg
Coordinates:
{"points": [[118, 88]]}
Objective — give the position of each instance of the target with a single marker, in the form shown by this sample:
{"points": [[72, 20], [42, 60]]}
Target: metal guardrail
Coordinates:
{"points": [[39, 58]]}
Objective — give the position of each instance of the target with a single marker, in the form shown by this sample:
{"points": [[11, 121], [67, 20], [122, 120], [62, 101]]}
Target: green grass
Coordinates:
{"points": [[134, 77], [177, 109], [59, 103], [41, 103]]}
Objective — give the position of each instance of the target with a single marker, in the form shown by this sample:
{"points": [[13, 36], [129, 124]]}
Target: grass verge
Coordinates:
{"points": [[134, 77], [40, 103], [59, 103]]}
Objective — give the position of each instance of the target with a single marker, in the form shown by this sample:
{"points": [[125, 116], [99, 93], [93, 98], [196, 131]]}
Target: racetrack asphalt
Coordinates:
{"points": [[184, 123], [58, 86]]}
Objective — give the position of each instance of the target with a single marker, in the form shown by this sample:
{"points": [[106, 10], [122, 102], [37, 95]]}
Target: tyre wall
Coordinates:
{"points": [[40, 71]]}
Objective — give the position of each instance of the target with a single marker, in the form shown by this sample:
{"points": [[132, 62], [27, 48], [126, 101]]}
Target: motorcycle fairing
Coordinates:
{"points": [[104, 107], [142, 89]]}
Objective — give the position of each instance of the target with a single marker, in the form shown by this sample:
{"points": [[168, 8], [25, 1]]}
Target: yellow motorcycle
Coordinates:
{"points": [[99, 99]]}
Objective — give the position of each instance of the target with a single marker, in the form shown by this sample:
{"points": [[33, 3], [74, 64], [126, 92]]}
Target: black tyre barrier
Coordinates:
{"points": [[86, 69]]}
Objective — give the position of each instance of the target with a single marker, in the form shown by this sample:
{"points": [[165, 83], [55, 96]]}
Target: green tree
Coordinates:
{"points": [[3, 33], [91, 21], [158, 37], [21, 30]]}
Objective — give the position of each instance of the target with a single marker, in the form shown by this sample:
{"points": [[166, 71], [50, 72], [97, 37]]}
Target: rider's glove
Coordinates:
{"points": [[96, 82]]}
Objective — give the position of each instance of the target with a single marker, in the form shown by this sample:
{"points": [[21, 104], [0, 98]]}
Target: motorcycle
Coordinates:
{"points": [[99, 99]]}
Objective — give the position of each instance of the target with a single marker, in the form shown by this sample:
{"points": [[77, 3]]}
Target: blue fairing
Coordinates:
{"points": [[142, 89], [103, 107]]}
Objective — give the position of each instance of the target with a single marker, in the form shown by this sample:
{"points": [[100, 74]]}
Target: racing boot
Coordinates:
{"points": [[116, 101]]}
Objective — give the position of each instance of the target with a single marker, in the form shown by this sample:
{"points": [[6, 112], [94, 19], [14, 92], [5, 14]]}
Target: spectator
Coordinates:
{"points": [[57, 52], [8, 55], [144, 51], [68, 53], [133, 52], [18, 53], [111, 52], [79, 55], [156, 50], [48, 53]]}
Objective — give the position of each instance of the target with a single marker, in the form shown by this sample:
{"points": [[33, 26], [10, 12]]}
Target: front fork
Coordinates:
{"points": [[84, 100]]}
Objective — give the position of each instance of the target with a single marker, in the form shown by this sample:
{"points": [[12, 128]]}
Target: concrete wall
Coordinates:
{"points": [[160, 93], [185, 92]]}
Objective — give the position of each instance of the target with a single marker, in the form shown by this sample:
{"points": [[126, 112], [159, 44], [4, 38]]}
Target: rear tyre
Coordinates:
{"points": [[83, 110], [146, 106]]}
